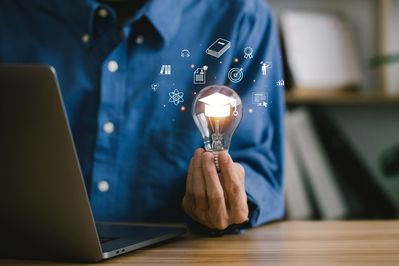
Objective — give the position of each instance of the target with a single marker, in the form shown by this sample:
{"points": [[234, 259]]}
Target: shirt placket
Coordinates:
{"points": [[110, 118]]}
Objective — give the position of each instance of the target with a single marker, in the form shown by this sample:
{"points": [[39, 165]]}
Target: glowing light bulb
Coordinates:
{"points": [[217, 112]]}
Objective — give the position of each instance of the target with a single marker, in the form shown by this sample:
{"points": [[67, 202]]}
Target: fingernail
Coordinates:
{"points": [[224, 158], [198, 154], [208, 157]]}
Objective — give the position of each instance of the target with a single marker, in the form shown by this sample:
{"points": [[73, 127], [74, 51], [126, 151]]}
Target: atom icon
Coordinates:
{"points": [[176, 97]]}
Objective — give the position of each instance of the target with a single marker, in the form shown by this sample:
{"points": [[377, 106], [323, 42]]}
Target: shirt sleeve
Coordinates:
{"points": [[258, 141]]}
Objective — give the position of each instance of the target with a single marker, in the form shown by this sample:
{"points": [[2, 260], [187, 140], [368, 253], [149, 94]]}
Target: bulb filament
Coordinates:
{"points": [[217, 138]]}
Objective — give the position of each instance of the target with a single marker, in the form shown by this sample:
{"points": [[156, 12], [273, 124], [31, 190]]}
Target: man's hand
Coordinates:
{"points": [[215, 200]]}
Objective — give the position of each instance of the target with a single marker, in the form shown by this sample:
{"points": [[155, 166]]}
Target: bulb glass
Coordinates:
{"points": [[217, 112]]}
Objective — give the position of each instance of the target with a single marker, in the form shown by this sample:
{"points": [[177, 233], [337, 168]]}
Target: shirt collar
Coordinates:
{"points": [[78, 14], [165, 15]]}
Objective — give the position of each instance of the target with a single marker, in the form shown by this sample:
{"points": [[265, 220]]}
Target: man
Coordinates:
{"points": [[264, 69], [134, 145]]}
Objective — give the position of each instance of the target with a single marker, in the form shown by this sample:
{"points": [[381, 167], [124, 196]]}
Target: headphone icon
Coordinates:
{"points": [[185, 53]]}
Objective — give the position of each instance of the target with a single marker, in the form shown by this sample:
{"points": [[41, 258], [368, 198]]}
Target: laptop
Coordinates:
{"points": [[44, 208]]}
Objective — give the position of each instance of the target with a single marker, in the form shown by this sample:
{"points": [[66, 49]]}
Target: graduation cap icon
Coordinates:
{"points": [[218, 105]]}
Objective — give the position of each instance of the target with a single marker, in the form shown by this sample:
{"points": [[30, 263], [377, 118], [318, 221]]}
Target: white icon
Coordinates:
{"points": [[280, 82], [200, 75], [235, 75], [248, 52], [259, 98], [176, 97], [266, 65], [218, 105], [218, 47], [185, 53], [166, 70], [154, 87]]}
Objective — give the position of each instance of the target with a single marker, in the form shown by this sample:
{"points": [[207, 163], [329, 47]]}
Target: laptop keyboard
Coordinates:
{"points": [[104, 239]]}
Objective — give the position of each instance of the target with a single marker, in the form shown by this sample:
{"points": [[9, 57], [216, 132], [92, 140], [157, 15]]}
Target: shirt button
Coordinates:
{"points": [[139, 39], [102, 12], [85, 38], [109, 127], [112, 66], [103, 186]]}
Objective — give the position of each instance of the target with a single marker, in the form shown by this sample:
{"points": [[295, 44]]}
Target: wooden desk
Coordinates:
{"points": [[282, 243]]}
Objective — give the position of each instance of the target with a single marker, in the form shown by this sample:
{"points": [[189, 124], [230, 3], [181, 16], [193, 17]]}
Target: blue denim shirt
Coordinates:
{"points": [[127, 132]]}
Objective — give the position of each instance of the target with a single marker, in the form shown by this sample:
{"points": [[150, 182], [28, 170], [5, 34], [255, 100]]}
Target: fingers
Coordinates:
{"points": [[199, 189], [214, 191], [211, 199], [240, 171], [233, 178], [188, 200], [194, 193]]}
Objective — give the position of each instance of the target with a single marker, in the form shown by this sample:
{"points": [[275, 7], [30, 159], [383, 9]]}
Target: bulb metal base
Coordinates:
{"points": [[216, 155]]}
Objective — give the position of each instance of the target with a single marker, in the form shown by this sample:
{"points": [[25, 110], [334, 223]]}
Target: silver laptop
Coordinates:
{"points": [[44, 209]]}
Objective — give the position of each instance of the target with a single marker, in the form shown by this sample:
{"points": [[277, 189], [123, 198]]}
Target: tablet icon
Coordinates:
{"points": [[235, 75], [200, 75], [259, 98], [219, 47]]}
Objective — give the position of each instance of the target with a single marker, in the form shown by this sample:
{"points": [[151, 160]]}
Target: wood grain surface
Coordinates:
{"points": [[280, 243]]}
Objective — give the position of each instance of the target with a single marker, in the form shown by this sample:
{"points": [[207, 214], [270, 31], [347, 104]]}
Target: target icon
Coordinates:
{"points": [[235, 75]]}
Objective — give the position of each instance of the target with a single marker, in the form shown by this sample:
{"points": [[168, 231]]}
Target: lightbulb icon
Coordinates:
{"points": [[217, 112]]}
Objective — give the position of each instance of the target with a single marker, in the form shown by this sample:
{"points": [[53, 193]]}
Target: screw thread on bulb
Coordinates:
{"points": [[217, 162], [216, 156]]}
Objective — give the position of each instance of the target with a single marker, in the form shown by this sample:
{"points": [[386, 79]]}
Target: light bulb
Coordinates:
{"points": [[217, 112]]}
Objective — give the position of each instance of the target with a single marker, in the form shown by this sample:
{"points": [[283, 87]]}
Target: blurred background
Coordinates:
{"points": [[342, 96]]}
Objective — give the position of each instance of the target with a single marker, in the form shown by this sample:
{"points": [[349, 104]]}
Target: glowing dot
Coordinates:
{"points": [[215, 77], [236, 60], [271, 101], [192, 66], [173, 84], [254, 80], [195, 93], [164, 105], [173, 120], [183, 108], [220, 62], [250, 110], [200, 44]]}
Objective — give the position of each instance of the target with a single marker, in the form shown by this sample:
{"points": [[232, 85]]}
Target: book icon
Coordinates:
{"points": [[218, 47], [165, 70]]}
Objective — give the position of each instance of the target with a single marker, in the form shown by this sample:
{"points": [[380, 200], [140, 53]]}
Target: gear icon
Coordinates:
{"points": [[248, 52]]}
